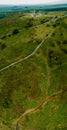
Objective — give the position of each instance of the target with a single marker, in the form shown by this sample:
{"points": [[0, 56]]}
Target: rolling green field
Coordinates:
{"points": [[23, 86]]}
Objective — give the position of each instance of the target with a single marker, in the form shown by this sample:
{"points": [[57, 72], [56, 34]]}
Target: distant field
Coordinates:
{"points": [[7, 10], [25, 85]]}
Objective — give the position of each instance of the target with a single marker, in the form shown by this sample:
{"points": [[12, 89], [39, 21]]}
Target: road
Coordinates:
{"points": [[30, 55]]}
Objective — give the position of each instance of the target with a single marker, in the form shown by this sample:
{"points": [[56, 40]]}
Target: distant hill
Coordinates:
{"points": [[5, 10]]}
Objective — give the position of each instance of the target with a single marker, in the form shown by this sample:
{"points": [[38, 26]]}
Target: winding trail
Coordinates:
{"points": [[38, 108]]}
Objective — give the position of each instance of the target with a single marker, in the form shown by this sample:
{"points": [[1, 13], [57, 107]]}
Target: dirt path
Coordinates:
{"points": [[48, 76], [38, 108]]}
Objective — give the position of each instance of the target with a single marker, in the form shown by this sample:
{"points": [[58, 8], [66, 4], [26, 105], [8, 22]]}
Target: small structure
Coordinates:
{"points": [[33, 14]]}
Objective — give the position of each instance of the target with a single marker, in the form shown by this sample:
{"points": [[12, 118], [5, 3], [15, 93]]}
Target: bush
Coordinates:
{"points": [[3, 37], [42, 21], [54, 58], [65, 42], [48, 25], [29, 24], [3, 46], [58, 23], [61, 34], [64, 50], [63, 46], [6, 103], [15, 31], [53, 34], [9, 35], [58, 42], [54, 25], [38, 41], [52, 45]]}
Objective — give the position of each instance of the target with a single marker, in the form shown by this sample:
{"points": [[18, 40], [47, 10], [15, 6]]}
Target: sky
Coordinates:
{"points": [[22, 2]]}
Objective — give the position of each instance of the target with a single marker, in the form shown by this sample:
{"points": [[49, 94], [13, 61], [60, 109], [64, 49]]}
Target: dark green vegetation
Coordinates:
{"points": [[6, 10], [26, 84]]}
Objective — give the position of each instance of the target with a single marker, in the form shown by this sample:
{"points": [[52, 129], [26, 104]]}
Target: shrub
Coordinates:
{"points": [[42, 21], [61, 34], [52, 45], [29, 24], [3, 37], [58, 42], [65, 42], [6, 103], [58, 23], [9, 35], [15, 31], [48, 25], [53, 34], [54, 58], [38, 41], [54, 25], [3, 46], [64, 50]]}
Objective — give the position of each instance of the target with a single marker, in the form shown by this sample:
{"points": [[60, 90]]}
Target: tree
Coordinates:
{"points": [[15, 31], [54, 25], [3, 46]]}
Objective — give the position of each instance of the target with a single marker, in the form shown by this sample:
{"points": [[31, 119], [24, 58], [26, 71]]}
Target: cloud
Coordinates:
{"points": [[31, 1]]}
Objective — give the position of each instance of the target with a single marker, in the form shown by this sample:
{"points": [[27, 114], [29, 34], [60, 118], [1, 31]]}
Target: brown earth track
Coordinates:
{"points": [[49, 76], [42, 104]]}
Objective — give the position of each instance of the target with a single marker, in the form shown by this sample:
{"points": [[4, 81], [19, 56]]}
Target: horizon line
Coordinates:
{"points": [[32, 4]]}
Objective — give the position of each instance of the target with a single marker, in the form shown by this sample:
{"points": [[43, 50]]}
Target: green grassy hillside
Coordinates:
{"points": [[24, 85]]}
